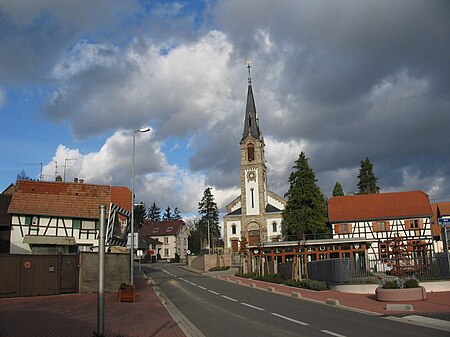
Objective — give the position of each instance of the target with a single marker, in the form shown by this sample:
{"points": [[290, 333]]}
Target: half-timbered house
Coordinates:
{"points": [[53, 217], [399, 223]]}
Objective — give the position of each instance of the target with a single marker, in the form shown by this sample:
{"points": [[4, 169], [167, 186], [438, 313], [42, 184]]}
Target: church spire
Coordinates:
{"points": [[251, 122]]}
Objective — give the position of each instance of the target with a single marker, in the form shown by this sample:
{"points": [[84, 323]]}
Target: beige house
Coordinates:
{"points": [[172, 234]]}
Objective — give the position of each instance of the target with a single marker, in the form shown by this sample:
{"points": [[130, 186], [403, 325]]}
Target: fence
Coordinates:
{"points": [[432, 267]]}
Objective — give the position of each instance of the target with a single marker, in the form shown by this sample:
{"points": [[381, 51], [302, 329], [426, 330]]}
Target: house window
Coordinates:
{"points": [[250, 152], [233, 229], [166, 241], [274, 226], [76, 223], [166, 252], [383, 251], [381, 226], [414, 224], [34, 221], [343, 228]]}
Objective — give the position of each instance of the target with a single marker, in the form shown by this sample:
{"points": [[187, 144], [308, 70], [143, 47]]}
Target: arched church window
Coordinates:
{"points": [[250, 152], [233, 229], [274, 226], [252, 191]]}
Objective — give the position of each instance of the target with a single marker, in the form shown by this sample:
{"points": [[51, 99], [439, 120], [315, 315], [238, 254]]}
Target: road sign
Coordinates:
{"points": [[444, 222]]}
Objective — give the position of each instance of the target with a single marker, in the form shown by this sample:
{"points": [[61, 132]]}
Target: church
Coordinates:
{"points": [[257, 213]]}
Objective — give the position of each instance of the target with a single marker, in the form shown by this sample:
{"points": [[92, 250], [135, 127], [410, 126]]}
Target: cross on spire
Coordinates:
{"points": [[249, 65]]}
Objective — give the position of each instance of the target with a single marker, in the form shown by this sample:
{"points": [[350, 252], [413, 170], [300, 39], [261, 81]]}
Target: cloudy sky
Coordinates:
{"points": [[340, 80]]}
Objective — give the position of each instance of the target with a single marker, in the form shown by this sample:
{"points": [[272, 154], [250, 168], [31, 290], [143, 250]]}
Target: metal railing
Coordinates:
{"points": [[349, 270]]}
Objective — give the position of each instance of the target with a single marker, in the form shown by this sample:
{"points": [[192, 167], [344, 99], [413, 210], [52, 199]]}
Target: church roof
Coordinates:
{"points": [[236, 212], [272, 209], [251, 122]]}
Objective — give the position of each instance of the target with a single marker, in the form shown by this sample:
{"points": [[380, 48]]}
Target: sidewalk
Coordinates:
{"points": [[76, 315], [436, 302]]}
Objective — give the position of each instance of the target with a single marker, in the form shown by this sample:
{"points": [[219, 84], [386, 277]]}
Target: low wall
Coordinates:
{"points": [[435, 286], [117, 271], [206, 262]]}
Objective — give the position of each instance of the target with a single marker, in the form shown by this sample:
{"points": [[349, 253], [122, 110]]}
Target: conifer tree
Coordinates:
{"points": [[167, 216], [154, 213], [305, 211], [338, 190], [176, 215], [209, 216], [367, 181]]}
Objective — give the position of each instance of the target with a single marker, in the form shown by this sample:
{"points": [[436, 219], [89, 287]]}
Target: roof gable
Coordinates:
{"points": [[161, 228], [62, 199], [379, 206]]}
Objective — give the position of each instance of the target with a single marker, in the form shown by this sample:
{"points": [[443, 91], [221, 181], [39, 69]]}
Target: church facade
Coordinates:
{"points": [[257, 213]]}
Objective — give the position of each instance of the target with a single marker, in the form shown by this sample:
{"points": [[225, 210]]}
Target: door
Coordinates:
{"points": [[69, 274]]}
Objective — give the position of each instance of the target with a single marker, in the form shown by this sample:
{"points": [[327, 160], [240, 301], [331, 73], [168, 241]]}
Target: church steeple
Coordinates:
{"points": [[251, 122]]}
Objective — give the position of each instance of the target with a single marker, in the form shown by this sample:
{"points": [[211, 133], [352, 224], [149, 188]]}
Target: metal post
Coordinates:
{"points": [[446, 246], [132, 211], [101, 273]]}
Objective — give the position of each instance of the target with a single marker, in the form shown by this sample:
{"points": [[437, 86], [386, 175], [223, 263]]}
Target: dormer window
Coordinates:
{"points": [[250, 152], [169, 229], [155, 230]]}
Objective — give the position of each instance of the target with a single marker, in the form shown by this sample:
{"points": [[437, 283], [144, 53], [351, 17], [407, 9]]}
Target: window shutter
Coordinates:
{"points": [[388, 226], [420, 223], [336, 229], [407, 224], [375, 226]]}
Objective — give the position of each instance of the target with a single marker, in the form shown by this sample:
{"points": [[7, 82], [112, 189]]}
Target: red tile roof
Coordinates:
{"points": [[393, 205], [160, 228], [440, 209], [64, 199]]}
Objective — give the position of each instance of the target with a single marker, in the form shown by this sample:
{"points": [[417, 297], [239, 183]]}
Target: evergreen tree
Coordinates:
{"points": [[337, 190], [154, 213], [167, 214], [306, 211], [140, 215], [176, 214], [194, 239], [367, 181], [209, 216], [22, 176]]}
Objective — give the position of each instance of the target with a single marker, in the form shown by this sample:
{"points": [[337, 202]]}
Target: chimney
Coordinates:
{"points": [[75, 180], [81, 181], [58, 178]]}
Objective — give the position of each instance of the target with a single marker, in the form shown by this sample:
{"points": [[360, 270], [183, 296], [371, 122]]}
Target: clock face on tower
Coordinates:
{"points": [[251, 176]]}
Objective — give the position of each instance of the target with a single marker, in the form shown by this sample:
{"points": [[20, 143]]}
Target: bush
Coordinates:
{"points": [[389, 285], [219, 268], [412, 283], [245, 275], [308, 284], [273, 278]]}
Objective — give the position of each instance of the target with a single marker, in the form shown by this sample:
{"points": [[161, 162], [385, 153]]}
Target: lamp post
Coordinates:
{"points": [[132, 204]]}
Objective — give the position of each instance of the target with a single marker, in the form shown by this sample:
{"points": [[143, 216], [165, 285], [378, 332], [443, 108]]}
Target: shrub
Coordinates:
{"points": [[273, 278], [219, 268], [411, 283], [308, 284], [246, 275], [389, 285]]}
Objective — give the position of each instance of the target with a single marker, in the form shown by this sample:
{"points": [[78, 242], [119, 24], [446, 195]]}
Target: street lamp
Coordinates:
{"points": [[132, 203]]}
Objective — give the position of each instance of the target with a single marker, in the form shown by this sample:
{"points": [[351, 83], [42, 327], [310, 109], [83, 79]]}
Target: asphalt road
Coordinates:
{"points": [[219, 308]]}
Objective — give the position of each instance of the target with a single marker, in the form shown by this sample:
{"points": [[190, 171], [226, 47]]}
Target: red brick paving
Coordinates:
{"points": [[436, 302], [76, 315]]}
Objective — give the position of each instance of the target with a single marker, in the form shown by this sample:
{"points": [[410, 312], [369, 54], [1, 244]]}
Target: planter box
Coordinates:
{"points": [[127, 294], [399, 295]]}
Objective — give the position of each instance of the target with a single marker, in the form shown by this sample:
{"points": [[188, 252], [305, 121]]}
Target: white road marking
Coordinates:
{"points": [[332, 333], [167, 272], [229, 298], [213, 292], [289, 319], [202, 287], [192, 283], [253, 307]]}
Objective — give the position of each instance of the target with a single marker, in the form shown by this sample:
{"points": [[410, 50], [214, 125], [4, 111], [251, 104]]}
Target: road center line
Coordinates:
{"points": [[192, 283], [332, 333], [213, 292], [202, 287], [167, 272], [229, 298], [289, 319], [252, 306]]}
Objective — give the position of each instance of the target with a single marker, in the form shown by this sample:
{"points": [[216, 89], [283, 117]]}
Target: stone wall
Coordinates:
{"points": [[206, 262]]}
